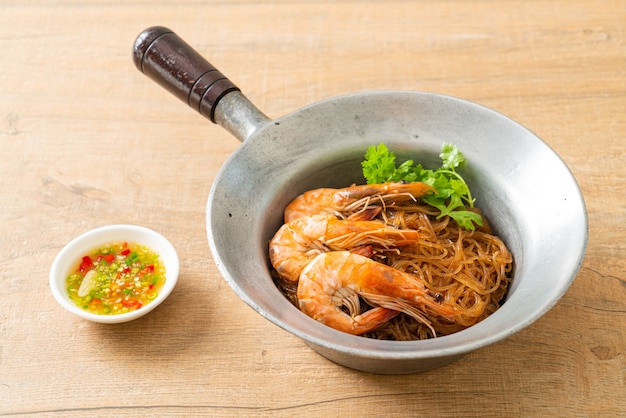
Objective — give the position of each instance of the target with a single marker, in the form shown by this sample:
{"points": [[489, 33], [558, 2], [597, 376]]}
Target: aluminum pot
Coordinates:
{"points": [[528, 193]]}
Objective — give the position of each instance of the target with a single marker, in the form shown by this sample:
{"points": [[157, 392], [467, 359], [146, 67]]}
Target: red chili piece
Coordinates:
{"points": [[85, 264]]}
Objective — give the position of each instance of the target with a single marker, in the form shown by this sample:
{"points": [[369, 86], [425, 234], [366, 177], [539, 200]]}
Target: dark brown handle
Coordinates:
{"points": [[164, 57]]}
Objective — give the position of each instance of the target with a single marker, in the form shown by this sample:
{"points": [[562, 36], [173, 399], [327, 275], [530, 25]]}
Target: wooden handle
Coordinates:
{"points": [[164, 57]]}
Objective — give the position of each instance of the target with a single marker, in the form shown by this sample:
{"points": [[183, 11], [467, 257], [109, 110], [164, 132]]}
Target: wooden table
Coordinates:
{"points": [[88, 141]]}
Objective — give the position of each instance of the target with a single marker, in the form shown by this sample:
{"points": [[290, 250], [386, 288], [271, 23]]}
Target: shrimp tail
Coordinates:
{"points": [[370, 320], [356, 325], [400, 306]]}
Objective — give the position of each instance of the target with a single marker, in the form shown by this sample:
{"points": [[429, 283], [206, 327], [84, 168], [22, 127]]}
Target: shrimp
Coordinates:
{"points": [[298, 242], [337, 201], [328, 282]]}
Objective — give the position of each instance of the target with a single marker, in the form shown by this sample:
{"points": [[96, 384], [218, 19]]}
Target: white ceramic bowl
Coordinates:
{"points": [[79, 246]]}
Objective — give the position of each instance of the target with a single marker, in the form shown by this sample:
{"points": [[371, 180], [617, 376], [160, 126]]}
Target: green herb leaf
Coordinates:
{"points": [[451, 156], [466, 219], [379, 164], [453, 194]]}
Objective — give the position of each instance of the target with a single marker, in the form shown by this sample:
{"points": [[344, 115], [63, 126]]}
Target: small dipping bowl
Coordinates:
{"points": [[69, 257]]}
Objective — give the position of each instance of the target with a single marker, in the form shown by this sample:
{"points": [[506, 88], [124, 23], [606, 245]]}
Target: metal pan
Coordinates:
{"points": [[527, 192]]}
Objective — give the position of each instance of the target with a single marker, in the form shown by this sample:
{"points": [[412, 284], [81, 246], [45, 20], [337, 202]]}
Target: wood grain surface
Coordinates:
{"points": [[86, 141]]}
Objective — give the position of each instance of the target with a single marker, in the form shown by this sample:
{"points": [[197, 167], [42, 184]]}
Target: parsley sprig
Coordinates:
{"points": [[453, 194]]}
